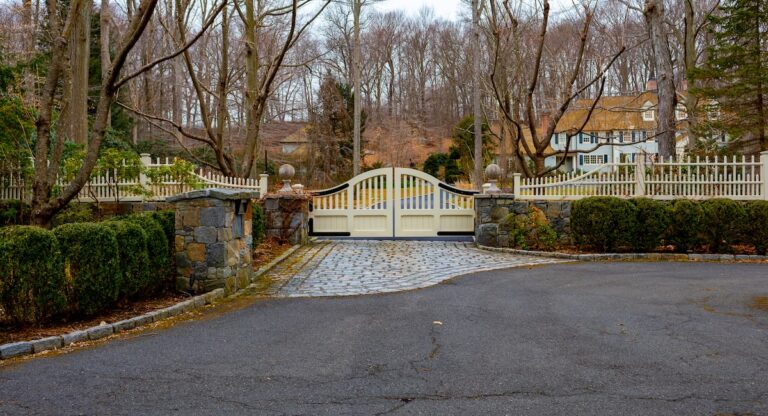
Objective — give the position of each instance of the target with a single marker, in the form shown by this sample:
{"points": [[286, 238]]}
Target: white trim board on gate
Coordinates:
{"points": [[392, 202]]}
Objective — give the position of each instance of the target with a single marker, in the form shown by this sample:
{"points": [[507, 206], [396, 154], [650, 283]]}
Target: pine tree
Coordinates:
{"points": [[735, 74]]}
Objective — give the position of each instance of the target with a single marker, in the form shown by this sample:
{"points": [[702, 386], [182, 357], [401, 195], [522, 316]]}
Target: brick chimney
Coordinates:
{"points": [[544, 120], [650, 85]]}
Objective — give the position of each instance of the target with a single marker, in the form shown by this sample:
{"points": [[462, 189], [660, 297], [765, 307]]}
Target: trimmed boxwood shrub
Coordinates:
{"points": [[91, 265], [167, 221], [603, 222], [157, 246], [133, 255], [32, 284], [756, 229], [259, 226], [652, 222], [686, 218], [723, 221]]}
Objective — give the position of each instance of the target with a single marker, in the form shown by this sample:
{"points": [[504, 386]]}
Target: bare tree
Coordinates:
{"points": [[44, 204], [477, 177], [358, 94], [503, 24], [49, 149], [657, 32]]}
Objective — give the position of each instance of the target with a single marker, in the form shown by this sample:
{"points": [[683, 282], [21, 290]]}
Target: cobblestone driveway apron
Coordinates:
{"points": [[357, 267]]}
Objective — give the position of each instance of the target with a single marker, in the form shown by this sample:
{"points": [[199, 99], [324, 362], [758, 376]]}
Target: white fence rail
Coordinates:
{"points": [[104, 188], [738, 178]]}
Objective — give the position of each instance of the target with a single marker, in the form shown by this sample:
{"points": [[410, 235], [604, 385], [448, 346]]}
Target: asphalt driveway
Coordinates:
{"points": [[567, 339]]}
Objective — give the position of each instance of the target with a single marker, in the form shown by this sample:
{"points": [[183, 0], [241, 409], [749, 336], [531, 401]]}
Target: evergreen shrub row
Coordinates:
{"points": [[80, 269], [641, 224]]}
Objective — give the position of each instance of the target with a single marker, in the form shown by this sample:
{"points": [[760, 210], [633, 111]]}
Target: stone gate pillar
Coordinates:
{"points": [[214, 240]]}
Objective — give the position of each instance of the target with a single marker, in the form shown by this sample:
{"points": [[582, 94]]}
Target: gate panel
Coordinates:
{"points": [[361, 207], [426, 207]]}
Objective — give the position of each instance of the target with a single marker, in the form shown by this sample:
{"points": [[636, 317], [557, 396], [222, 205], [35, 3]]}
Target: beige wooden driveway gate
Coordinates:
{"points": [[392, 202]]}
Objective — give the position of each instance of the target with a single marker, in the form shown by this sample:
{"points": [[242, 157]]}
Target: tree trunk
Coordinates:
{"points": [[691, 101], [654, 17], [77, 120], [762, 123], [43, 205], [476, 110], [106, 60], [356, 74], [29, 50]]}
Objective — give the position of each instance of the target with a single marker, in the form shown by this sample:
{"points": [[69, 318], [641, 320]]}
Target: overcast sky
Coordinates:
{"points": [[447, 9]]}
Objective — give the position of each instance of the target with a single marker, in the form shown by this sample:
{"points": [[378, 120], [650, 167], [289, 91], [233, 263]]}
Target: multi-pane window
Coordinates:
{"points": [[593, 159], [647, 111]]}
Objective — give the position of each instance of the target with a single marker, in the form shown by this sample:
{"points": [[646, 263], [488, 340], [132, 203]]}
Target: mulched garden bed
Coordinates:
{"points": [[267, 251], [13, 333]]}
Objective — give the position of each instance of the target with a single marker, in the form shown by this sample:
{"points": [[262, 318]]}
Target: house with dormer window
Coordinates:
{"points": [[620, 129]]}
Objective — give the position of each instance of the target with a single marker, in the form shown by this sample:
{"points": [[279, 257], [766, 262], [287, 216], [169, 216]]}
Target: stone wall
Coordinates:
{"points": [[214, 240], [286, 217], [491, 209]]}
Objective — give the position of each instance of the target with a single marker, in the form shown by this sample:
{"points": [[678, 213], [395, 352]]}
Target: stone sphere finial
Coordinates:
{"points": [[286, 171], [493, 171]]}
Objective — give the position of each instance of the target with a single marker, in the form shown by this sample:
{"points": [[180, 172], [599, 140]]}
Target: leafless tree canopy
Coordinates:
{"points": [[211, 76]]}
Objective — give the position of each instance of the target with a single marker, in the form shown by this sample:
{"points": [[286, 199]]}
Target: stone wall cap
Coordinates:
{"points": [[495, 196], [215, 193], [287, 196]]}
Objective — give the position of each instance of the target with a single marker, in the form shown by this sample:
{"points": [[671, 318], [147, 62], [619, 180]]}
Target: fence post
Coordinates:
{"points": [[146, 160], [263, 184], [516, 184], [640, 174], [763, 158]]}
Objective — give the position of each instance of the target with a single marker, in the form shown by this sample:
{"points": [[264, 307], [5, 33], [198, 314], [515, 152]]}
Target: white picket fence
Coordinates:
{"points": [[738, 178], [103, 188]]}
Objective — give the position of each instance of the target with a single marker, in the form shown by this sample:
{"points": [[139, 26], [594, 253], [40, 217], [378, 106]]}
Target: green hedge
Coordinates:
{"points": [[91, 265], [167, 221], [134, 257], [652, 223], [686, 219], [723, 220], [158, 248], [259, 225], [717, 224], [756, 225], [605, 223], [32, 284]]}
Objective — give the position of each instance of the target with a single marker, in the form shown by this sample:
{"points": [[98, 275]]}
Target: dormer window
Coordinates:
{"points": [[647, 111]]}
